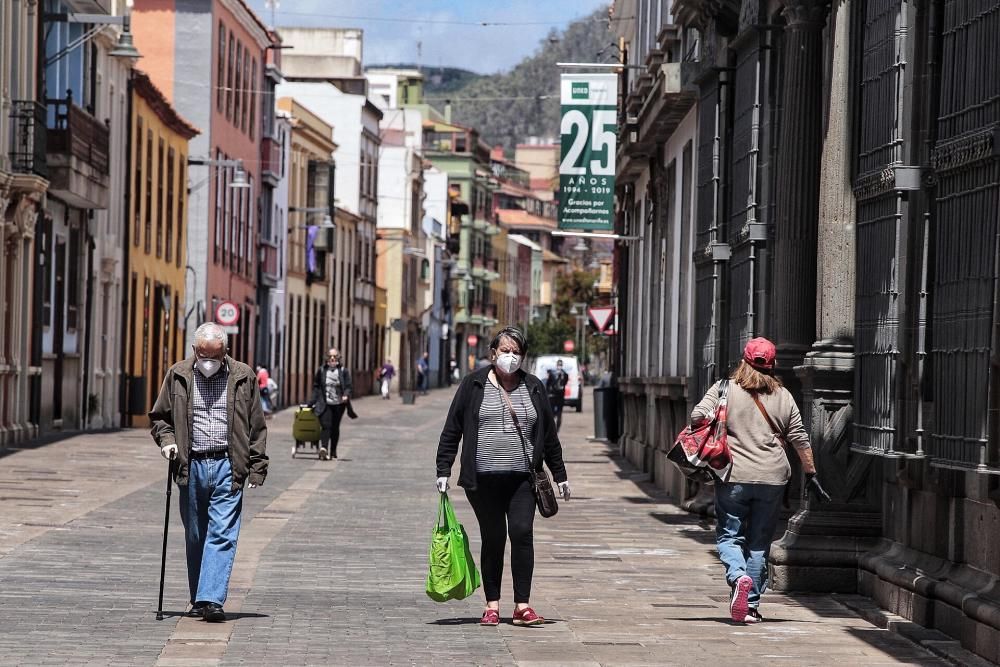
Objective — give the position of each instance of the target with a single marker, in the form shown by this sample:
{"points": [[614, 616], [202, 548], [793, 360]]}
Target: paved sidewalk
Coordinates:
{"points": [[332, 560]]}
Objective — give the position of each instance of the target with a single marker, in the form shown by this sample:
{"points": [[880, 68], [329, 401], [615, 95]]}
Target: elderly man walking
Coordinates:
{"points": [[208, 417]]}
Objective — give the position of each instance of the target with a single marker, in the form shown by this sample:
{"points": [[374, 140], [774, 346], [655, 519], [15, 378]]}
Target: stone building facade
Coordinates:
{"points": [[846, 198]]}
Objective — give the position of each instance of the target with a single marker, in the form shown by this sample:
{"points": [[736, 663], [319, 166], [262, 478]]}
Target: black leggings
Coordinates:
{"points": [[505, 505], [330, 421]]}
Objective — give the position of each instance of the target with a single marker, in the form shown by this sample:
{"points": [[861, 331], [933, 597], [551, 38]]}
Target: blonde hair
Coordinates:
{"points": [[752, 379]]}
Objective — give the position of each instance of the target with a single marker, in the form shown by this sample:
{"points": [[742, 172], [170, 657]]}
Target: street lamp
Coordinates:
{"points": [[239, 181], [327, 223], [124, 48]]}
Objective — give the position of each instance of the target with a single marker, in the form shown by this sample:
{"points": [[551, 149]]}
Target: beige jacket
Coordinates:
{"points": [[171, 419], [758, 454]]}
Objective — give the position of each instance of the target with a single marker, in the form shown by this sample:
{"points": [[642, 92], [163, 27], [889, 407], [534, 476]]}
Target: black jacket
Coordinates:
{"points": [[319, 387], [462, 425]]}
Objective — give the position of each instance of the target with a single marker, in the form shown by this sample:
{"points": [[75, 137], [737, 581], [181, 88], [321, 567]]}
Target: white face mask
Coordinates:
{"points": [[508, 362], [209, 367]]}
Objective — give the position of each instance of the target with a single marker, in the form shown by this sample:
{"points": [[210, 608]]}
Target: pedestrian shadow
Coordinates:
{"points": [[230, 616], [722, 620], [471, 620], [474, 620]]}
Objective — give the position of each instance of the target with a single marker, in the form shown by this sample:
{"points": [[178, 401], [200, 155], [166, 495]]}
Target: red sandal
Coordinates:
{"points": [[526, 616], [490, 617]]}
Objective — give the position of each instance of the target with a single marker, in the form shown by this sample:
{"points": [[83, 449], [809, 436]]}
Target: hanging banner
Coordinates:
{"points": [[588, 137]]}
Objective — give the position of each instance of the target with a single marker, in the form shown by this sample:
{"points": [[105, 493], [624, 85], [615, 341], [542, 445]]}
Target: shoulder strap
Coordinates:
{"points": [[763, 411]]}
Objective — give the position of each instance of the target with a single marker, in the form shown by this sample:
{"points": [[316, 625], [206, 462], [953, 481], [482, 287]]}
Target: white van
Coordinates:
{"points": [[574, 387]]}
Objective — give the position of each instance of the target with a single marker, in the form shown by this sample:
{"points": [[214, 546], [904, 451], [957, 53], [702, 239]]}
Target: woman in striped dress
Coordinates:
{"points": [[503, 419]]}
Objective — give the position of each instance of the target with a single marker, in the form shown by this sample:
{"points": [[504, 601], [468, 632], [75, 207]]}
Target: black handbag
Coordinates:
{"points": [[541, 485]]}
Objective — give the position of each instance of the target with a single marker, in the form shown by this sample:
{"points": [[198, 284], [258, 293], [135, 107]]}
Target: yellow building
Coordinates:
{"points": [[157, 239], [310, 240]]}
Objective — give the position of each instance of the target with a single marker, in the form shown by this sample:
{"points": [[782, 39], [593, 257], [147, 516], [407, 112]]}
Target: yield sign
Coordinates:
{"points": [[601, 317]]}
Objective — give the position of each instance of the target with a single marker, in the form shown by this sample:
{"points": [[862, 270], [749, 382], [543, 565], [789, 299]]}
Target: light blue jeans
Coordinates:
{"points": [[211, 513], [746, 516]]}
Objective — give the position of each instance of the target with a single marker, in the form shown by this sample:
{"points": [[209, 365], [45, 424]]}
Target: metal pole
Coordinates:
{"points": [[166, 526]]}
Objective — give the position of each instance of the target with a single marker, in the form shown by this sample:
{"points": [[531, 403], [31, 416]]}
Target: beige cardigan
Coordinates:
{"points": [[758, 455]]}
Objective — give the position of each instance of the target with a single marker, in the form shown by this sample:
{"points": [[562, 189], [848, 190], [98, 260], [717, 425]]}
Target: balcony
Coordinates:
{"points": [[270, 161], [78, 156], [478, 267], [653, 113], [270, 269], [492, 266], [28, 138]]}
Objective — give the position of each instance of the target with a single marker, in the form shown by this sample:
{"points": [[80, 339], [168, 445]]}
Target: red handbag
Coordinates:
{"points": [[701, 453]]}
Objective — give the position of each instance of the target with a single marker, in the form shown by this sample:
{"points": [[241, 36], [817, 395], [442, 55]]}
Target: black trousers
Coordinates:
{"points": [[505, 506], [330, 421]]}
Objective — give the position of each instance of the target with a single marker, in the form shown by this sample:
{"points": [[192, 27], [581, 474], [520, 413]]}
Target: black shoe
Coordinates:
{"points": [[196, 610], [753, 616], [214, 613]]}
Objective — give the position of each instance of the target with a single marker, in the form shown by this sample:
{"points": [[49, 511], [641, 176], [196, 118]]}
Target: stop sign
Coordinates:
{"points": [[472, 340], [569, 345]]}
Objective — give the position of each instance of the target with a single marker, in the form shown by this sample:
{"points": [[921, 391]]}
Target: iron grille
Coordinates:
{"points": [[963, 314], [970, 82], [881, 95], [876, 341], [28, 138]]}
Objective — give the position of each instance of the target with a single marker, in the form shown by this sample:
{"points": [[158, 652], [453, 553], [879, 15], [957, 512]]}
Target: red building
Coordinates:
{"points": [[210, 59]]}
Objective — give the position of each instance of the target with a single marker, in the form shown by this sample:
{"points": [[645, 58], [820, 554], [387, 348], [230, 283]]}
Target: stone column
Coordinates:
{"points": [[820, 549], [797, 187]]}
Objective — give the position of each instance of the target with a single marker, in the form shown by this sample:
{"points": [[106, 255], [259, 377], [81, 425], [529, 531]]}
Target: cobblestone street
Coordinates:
{"points": [[332, 559]]}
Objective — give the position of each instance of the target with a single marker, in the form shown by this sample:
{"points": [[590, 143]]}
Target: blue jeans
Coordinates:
{"points": [[746, 516], [211, 513]]}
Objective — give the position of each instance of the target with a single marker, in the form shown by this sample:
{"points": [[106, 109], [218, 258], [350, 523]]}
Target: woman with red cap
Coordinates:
{"points": [[762, 418]]}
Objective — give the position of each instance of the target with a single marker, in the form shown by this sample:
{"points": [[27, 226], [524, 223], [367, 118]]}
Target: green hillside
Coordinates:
{"points": [[508, 107]]}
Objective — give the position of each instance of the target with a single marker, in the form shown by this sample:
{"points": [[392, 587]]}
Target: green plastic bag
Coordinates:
{"points": [[452, 574]]}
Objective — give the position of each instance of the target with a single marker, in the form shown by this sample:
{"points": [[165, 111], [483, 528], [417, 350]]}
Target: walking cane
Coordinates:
{"points": [[166, 525]]}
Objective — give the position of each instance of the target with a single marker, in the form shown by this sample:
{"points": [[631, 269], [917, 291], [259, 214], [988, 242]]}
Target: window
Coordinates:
{"points": [[219, 208], [253, 96], [181, 218], [170, 206], [220, 66], [238, 92], [245, 92], [74, 279], [137, 193], [148, 240], [229, 77], [160, 171]]}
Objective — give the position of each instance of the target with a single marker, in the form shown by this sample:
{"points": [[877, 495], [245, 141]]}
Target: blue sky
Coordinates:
{"points": [[394, 27]]}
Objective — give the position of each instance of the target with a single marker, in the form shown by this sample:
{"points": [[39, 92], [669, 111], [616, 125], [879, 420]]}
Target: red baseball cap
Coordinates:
{"points": [[759, 353]]}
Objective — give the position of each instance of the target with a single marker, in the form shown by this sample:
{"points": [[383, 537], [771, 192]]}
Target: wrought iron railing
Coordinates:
{"points": [[79, 134], [28, 138]]}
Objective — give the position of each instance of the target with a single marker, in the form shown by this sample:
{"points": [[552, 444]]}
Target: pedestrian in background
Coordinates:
{"points": [[332, 389], [385, 375], [208, 417], [423, 370], [555, 386], [263, 385], [494, 465], [762, 417]]}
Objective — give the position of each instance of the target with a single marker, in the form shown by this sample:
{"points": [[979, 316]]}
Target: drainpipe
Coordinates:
{"points": [[127, 317], [88, 331]]}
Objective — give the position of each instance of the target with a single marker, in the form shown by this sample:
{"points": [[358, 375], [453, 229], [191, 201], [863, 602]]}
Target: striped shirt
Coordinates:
{"points": [[500, 449], [209, 419]]}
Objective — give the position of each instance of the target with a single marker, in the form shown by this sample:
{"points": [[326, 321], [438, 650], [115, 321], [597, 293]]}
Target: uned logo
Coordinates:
{"points": [[580, 90]]}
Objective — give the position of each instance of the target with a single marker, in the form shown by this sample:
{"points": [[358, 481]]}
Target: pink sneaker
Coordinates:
{"points": [[527, 616], [490, 617], [738, 606]]}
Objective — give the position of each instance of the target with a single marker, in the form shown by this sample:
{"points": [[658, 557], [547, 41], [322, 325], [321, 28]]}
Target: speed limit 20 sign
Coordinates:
{"points": [[588, 141], [227, 313]]}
